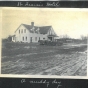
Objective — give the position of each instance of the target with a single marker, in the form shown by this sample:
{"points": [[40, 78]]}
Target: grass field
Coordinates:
{"points": [[34, 59]]}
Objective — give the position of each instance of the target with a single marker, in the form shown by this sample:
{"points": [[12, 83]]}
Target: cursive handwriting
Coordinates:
{"points": [[19, 4], [25, 4], [39, 4], [46, 82], [53, 4], [23, 80], [40, 82], [57, 82]]}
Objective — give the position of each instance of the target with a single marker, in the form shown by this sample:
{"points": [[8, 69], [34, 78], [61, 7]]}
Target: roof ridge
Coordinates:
{"points": [[44, 26], [42, 29], [36, 26], [29, 25]]}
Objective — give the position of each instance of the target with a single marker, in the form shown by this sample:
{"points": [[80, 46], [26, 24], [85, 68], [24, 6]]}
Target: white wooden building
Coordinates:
{"points": [[32, 33]]}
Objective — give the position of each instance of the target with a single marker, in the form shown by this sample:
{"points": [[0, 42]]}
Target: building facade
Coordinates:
{"points": [[30, 33]]}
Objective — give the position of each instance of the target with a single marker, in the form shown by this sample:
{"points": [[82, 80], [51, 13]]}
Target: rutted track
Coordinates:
{"points": [[67, 61]]}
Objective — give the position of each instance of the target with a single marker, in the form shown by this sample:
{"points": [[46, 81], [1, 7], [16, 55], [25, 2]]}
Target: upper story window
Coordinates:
{"points": [[37, 31], [50, 32], [19, 31], [39, 38], [24, 30]]}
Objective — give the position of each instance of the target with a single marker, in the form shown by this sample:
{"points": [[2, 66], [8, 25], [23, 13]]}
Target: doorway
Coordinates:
{"points": [[50, 38], [30, 39]]}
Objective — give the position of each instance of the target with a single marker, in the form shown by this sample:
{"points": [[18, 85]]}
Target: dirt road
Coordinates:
{"points": [[60, 61]]}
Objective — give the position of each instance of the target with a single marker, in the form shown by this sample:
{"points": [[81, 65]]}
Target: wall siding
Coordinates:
{"points": [[19, 36]]}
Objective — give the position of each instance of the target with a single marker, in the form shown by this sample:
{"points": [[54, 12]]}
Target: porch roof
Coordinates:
{"points": [[53, 36]]}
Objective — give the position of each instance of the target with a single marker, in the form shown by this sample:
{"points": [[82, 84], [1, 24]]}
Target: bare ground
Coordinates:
{"points": [[67, 60]]}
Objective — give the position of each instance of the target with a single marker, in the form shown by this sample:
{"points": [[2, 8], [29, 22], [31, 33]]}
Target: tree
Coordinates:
{"points": [[84, 37], [65, 36], [10, 38]]}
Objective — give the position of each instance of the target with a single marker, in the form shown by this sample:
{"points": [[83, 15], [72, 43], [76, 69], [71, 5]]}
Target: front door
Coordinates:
{"points": [[30, 39], [50, 38]]}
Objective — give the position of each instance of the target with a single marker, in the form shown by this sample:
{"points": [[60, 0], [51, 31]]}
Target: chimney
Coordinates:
{"points": [[32, 24]]}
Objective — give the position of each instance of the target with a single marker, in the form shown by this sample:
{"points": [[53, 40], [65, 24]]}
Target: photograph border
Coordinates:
{"points": [[44, 76]]}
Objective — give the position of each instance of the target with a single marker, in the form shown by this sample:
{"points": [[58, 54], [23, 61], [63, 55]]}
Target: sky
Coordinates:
{"points": [[71, 22]]}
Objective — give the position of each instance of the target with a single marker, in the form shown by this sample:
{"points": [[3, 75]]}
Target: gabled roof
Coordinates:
{"points": [[53, 35], [42, 30], [29, 27]]}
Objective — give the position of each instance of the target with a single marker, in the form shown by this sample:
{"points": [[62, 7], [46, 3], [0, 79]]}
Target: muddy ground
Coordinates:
{"points": [[35, 59]]}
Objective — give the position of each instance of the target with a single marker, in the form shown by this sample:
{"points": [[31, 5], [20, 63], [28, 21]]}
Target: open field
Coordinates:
{"points": [[35, 59]]}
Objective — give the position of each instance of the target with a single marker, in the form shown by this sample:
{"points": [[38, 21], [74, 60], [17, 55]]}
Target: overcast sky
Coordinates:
{"points": [[74, 23]]}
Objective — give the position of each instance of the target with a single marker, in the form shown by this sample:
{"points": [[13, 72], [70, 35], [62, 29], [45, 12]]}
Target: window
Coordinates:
{"points": [[23, 38], [30, 39], [26, 38], [24, 30], [35, 38], [39, 38], [43, 38], [19, 31]]}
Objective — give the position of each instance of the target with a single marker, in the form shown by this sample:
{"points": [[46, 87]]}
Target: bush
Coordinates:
{"points": [[8, 45]]}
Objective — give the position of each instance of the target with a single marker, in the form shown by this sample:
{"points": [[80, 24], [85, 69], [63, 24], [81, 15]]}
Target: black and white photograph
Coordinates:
{"points": [[44, 41]]}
